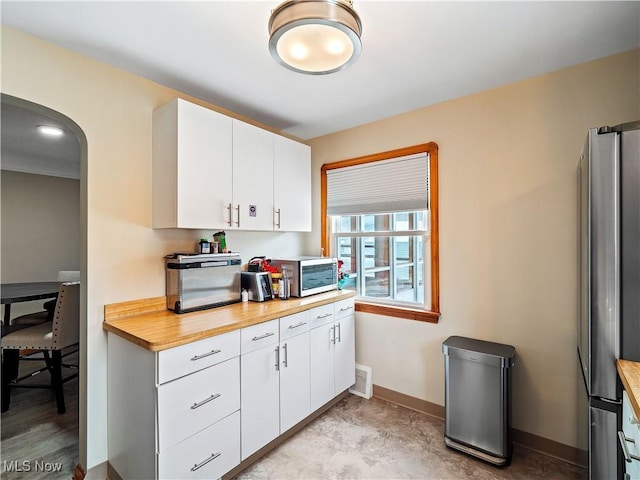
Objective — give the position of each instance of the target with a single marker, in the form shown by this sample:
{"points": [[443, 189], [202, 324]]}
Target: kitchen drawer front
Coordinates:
{"points": [[258, 336], [208, 454], [295, 324], [191, 403], [630, 426], [344, 308], [179, 361], [321, 315]]}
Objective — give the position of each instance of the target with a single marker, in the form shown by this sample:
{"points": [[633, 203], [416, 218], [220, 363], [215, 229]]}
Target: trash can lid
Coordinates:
{"points": [[479, 350]]}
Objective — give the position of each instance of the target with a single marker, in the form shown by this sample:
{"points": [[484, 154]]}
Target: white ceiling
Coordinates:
{"points": [[414, 54]]}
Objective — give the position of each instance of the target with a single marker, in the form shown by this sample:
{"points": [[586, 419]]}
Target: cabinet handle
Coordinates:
{"points": [[260, 337], [284, 362], [278, 222], [230, 208], [277, 359], [625, 451], [238, 209], [324, 316], [344, 309], [206, 400], [339, 332], [204, 355], [197, 466], [291, 327], [333, 334]]}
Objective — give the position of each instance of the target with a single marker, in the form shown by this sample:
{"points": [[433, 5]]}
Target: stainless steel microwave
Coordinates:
{"points": [[309, 275]]}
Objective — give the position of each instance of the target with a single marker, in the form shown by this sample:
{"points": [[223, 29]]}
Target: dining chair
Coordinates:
{"points": [[50, 339], [46, 315]]}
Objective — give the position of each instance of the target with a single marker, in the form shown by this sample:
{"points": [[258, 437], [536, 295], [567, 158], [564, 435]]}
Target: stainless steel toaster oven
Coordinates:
{"points": [[201, 281]]}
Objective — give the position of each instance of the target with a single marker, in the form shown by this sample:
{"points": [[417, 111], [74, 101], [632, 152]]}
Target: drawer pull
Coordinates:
{"points": [[344, 309], [285, 361], [204, 355], [629, 457], [198, 466], [339, 339], [325, 315], [291, 327], [206, 400], [269, 334], [333, 334]]}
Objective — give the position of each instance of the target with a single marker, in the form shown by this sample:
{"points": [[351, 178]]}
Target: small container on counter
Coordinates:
{"points": [[244, 295], [275, 278], [284, 286], [205, 246]]}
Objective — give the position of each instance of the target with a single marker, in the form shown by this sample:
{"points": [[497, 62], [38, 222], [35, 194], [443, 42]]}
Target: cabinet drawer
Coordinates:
{"points": [[191, 403], [209, 454], [179, 361], [630, 425], [258, 336], [295, 324], [321, 315], [344, 308]]}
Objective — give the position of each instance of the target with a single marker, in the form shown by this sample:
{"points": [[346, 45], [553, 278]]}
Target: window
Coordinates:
{"points": [[380, 218]]}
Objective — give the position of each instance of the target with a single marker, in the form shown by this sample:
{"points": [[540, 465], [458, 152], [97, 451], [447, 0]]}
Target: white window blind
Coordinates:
{"points": [[393, 185]]}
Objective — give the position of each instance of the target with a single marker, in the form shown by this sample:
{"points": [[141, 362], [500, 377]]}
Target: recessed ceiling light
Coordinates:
{"points": [[50, 131]]}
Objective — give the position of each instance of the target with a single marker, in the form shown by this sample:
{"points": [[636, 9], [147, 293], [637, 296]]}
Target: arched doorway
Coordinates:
{"points": [[28, 111]]}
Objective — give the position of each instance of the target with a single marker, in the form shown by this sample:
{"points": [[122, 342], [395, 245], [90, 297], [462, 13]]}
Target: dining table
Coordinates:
{"points": [[25, 292]]}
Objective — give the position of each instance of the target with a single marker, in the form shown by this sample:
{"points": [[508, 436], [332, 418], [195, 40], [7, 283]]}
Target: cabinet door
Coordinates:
{"points": [[252, 177], [259, 398], [192, 159], [295, 393], [345, 354], [292, 185], [322, 365]]}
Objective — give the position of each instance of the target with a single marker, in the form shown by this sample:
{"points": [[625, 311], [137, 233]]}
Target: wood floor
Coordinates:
{"points": [[37, 442]]}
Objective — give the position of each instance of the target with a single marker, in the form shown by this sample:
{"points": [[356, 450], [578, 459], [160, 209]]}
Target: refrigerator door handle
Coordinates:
{"points": [[608, 400]]}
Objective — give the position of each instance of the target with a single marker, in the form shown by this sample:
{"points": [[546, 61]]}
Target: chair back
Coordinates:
{"points": [[69, 275], [66, 316]]}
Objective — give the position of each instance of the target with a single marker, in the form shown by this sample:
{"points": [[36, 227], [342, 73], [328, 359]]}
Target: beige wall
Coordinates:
{"points": [[124, 254], [40, 229], [507, 160]]}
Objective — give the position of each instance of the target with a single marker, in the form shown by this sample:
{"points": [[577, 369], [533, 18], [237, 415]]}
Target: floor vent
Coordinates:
{"points": [[362, 386]]}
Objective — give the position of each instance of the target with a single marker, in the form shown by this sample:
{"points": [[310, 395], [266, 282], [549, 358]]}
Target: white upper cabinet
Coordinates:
{"points": [[214, 172], [192, 167], [252, 177], [292, 185]]}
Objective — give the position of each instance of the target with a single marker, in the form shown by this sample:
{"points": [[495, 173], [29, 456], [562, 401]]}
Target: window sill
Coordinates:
{"points": [[417, 314]]}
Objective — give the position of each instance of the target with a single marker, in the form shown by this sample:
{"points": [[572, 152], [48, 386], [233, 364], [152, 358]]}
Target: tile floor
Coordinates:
{"points": [[374, 439]]}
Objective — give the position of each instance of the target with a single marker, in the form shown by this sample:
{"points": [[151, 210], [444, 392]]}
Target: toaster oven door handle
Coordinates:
{"points": [[204, 355]]}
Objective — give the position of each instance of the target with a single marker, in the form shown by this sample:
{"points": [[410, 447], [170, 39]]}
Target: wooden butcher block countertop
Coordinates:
{"points": [[630, 375], [149, 324]]}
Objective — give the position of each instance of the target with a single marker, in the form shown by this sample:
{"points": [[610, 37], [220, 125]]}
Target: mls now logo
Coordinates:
{"points": [[29, 466]]}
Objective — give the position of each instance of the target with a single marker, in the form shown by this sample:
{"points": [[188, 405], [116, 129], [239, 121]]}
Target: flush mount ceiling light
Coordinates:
{"points": [[315, 37], [50, 131]]}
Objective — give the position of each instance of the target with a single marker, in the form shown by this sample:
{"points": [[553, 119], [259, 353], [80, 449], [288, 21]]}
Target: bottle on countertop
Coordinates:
{"points": [[284, 288], [205, 246], [244, 295]]}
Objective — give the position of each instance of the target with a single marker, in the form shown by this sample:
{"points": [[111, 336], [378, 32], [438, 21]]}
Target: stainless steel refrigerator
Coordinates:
{"points": [[609, 303]]}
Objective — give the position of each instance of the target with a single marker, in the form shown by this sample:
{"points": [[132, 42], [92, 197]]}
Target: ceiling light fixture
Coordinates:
{"points": [[315, 37], [50, 131]]}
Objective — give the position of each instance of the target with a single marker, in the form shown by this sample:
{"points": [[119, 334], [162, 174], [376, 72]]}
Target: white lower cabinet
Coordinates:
{"points": [[259, 398], [198, 410], [332, 350], [631, 433], [295, 360]]}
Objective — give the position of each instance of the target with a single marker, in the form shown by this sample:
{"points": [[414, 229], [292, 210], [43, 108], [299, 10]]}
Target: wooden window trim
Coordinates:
{"points": [[431, 315]]}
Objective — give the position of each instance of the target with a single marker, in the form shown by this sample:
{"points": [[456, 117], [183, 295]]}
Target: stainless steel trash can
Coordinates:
{"points": [[478, 398]]}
